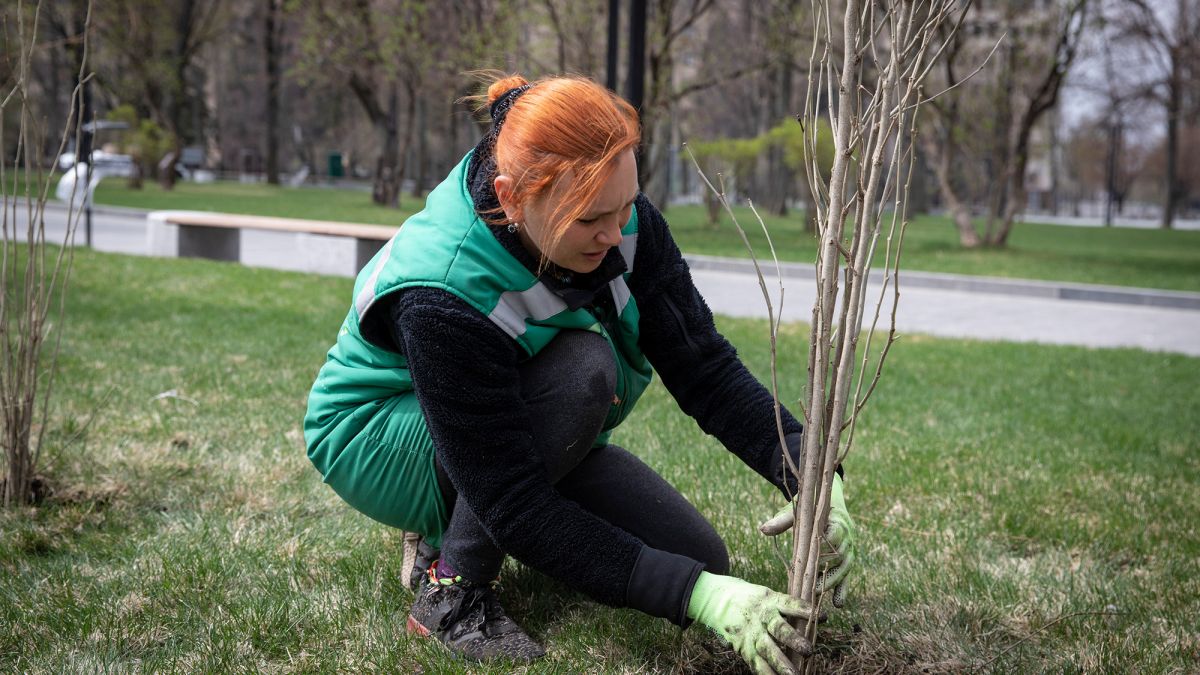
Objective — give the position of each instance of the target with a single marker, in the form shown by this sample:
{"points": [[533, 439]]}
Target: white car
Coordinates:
{"points": [[111, 164]]}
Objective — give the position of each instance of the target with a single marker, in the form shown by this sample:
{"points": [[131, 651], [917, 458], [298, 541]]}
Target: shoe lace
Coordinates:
{"points": [[472, 599], [478, 608]]}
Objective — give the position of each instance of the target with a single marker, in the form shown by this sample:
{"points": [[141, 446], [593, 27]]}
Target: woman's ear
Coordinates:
{"points": [[504, 194]]}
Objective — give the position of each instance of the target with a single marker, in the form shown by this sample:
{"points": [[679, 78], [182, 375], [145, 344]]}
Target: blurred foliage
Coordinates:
{"points": [[145, 141], [729, 158]]}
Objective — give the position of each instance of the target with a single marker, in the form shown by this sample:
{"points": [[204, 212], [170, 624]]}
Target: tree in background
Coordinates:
{"points": [[1166, 36], [575, 24], [65, 24], [1187, 166], [672, 38], [989, 121], [146, 58], [388, 52], [1102, 161], [1105, 153]]}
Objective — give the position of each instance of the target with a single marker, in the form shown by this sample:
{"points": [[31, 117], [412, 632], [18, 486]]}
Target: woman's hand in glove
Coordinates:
{"points": [[753, 618], [837, 546]]}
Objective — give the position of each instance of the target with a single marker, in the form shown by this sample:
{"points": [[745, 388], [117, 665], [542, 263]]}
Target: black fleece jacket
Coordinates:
{"points": [[464, 372]]}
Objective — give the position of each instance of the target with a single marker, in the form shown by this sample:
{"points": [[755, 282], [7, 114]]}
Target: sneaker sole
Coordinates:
{"points": [[416, 628]]}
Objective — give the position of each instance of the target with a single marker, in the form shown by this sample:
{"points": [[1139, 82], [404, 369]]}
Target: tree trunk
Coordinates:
{"points": [[918, 195], [19, 458], [1054, 145], [1110, 167], [559, 33], [653, 161], [1014, 194], [940, 152], [68, 21], [135, 176], [421, 159], [1001, 150], [386, 190], [410, 126], [779, 177], [271, 42], [184, 26], [1172, 168], [712, 207]]}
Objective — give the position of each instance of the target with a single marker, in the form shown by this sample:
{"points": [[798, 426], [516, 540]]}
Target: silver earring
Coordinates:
{"points": [[513, 227]]}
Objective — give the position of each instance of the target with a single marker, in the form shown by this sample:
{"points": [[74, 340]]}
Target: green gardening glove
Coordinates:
{"points": [[837, 546], [752, 618]]}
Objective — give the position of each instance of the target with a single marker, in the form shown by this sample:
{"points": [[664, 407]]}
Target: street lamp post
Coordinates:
{"points": [[614, 36]]}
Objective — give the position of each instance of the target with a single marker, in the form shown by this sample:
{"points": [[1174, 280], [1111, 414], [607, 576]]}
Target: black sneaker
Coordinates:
{"points": [[468, 618]]}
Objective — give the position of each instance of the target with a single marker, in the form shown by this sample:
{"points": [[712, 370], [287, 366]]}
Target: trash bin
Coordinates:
{"points": [[336, 170]]}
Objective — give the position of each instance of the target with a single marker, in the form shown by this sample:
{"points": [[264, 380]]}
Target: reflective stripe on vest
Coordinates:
{"points": [[538, 302], [366, 297]]}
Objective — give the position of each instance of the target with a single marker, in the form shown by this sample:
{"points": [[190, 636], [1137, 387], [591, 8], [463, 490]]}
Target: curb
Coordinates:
{"points": [[1051, 290]]}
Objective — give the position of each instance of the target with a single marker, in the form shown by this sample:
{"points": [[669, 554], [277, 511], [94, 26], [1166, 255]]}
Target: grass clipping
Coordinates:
{"points": [[877, 62]]}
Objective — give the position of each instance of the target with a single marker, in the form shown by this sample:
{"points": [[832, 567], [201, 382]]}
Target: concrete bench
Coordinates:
{"points": [[218, 236]]}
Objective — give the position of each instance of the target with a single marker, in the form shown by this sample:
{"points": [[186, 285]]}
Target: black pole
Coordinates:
{"points": [[614, 37], [636, 81]]}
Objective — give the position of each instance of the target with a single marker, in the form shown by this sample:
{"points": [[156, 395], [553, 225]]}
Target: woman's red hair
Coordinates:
{"points": [[562, 127]]}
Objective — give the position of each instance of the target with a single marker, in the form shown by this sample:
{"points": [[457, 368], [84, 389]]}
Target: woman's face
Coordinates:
{"points": [[585, 241]]}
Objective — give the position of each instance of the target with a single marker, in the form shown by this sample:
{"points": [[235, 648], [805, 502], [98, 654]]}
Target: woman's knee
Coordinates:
{"points": [[576, 371]]}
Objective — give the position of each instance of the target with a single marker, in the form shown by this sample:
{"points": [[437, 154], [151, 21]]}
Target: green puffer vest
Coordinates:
{"points": [[447, 246]]}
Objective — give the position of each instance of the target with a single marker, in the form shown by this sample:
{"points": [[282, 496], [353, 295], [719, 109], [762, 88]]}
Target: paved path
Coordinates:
{"points": [[934, 304], [986, 316]]}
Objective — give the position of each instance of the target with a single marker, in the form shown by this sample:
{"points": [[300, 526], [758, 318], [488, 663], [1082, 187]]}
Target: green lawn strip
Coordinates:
{"points": [[997, 486], [16, 182], [1117, 256], [260, 199]]}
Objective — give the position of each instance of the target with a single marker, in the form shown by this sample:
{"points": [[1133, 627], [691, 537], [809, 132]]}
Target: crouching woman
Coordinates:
{"points": [[492, 346]]}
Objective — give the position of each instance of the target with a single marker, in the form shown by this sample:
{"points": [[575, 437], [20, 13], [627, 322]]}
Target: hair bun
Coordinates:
{"points": [[504, 84]]}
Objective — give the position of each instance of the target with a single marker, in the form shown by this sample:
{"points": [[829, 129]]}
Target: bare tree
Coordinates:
{"points": [[574, 22], [387, 52], [671, 26], [874, 126], [872, 112], [1018, 89], [941, 146], [33, 276], [1167, 35], [151, 63], [66, 24]]}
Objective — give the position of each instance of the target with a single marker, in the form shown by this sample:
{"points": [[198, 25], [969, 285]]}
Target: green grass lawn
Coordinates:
{"points": [[998, 488], [1119, 256], [260, 199]]}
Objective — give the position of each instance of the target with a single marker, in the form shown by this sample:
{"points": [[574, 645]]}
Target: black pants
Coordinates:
{"points": [[567, 388]]}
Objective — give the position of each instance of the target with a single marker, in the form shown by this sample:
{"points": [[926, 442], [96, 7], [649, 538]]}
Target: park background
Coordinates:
{"points": [[1022, 507]]}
